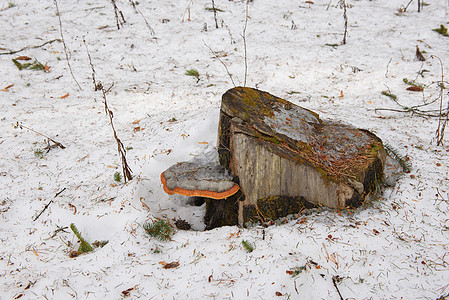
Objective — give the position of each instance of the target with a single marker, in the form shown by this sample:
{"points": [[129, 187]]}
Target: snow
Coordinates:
{"points": [[395, 247]]}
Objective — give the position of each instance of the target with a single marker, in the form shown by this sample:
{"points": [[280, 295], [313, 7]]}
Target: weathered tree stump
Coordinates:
{"points": [[285, 158]]}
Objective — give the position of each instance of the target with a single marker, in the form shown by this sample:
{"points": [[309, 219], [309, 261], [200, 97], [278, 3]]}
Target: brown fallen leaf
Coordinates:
{"points": [[65, 96], [203, 143], [171, 265], [308, 2], [5, 89], [289, 272], [278, 294], [341, 94], [415, 89], [23, 58], [128, 291], [136, 121]]}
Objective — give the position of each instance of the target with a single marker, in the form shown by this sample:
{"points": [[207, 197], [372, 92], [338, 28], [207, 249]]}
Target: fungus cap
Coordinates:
{"points": [[196, 180]]}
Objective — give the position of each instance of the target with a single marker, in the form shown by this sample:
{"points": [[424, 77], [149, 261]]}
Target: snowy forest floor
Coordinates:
{"points": [[391, 248]]}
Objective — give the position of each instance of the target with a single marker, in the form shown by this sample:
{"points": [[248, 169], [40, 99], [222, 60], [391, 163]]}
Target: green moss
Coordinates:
{"points": [[441, 30], [275, 207]]}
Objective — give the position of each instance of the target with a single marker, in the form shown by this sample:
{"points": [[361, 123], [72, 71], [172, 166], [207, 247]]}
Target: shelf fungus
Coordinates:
{"points": [[196, 180]]}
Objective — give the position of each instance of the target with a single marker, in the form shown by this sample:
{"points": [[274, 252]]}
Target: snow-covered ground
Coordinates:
{"points": [[395, 247]]}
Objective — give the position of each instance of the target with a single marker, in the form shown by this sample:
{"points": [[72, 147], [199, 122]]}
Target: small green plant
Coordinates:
{"points": [[405, 164], [193, 73], [39, 153], [129, 148], [30, 66], [389, 94], [11, 4], [213, 9], [84, 246], [156, 250], [412, 83], [442, 30], [159, 229], [117, 176], [298, 270], [248, 246]]}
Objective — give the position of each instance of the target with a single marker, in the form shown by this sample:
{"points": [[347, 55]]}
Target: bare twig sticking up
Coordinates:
{"points": [[119, 18], [345, 17], [66, 50], [244, 41], [443, 118], [121, 149], [97, 86], [215, 13]]}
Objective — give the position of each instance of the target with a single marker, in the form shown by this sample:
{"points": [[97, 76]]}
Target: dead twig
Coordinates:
{"points": [[66, 50], [224, 65], [345, 17], [335, 280], [29, 47], [121, 149], [97, 86], [119, 18], [133, 4], [244, 42], [48, 204], [443, 118], [19, 125], [215, 14]]}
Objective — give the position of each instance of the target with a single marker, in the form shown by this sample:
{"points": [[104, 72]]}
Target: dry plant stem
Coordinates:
{"points": [[244, 42], [334, 281], [224, 65], [64, 44], [48, 204], [345, 17], [133, 4], [215, 14], [443, 117], [97, 86], [121, 149], [119, 19], [187, 11], [41, 134], [146, 23], [29, 47]]}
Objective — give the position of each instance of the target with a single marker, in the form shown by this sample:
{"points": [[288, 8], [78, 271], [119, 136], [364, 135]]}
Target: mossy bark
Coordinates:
{"points": [[274, 207], [222, 212]]}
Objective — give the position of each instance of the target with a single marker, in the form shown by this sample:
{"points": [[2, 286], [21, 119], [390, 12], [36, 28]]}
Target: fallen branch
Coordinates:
{"points": [[41, 134], [48, 204], [64, 44], [29, 47]]}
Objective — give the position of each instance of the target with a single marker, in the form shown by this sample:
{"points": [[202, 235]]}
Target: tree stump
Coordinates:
{"points": [[285, 158]]}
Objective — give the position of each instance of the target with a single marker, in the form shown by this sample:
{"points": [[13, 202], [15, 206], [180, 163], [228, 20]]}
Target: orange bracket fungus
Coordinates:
{"points": [[197, 180]]}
